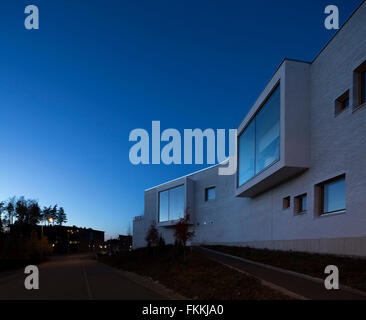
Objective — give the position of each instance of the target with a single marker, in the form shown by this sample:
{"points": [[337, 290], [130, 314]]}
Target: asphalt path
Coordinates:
{"points": [[75, 277]]}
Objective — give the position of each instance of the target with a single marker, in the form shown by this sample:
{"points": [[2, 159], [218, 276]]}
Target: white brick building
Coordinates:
{"points": [[301, 178]]}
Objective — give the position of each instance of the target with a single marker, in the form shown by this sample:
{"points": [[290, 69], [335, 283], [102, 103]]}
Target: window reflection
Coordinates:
{"points": [[171, 204], [268, 133], [210, 194], [334, 196], [164, 206], [247, 154], [259, 144]]}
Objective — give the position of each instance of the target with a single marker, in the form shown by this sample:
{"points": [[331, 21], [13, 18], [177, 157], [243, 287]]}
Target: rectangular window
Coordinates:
{"points": [[259, 144], [301, 204], [171, 204], [342, 103], [286, 203], [210, 193], [247, 154], [363, 87], [164, 206], [333, 195], [360, 84]]}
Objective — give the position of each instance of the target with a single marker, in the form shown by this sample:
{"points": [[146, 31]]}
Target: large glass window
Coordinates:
{"points": [[247, 154], [171, 204], [334, 195], [259, 144], [164, 206]]}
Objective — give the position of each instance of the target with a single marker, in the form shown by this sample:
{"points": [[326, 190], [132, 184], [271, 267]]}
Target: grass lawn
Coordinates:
{"points": [[352, 271], [196, 278]]}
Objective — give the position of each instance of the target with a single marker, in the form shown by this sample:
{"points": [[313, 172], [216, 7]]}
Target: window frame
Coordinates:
{"points": [[298, 207], [286, 203], [274, 88], [360, 73], [184, 203], [206, 193], [340, 103], [362, 85], [320, 195]]}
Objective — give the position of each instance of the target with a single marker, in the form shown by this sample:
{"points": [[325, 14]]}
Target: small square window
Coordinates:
{"points": [[342, 103], [210, 193], [286, 203], [301, 204]]}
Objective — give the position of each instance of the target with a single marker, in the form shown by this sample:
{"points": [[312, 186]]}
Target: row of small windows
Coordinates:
{"points": [[359, 85], [329, 197]]}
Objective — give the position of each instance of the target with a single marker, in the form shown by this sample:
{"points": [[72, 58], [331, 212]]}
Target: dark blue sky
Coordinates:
{"points": [[71, 92]]}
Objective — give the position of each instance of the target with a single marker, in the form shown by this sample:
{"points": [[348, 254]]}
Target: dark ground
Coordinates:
{"points": [[74, 277], [197, 278], [352, 271]]}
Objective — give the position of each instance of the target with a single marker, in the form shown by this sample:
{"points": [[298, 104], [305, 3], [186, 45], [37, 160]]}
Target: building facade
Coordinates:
{"points": [[301, 177], [71, 239]]}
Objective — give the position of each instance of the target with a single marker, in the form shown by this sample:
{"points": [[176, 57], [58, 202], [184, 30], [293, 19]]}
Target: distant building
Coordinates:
{"points": [[123, 243], [66, 239]]}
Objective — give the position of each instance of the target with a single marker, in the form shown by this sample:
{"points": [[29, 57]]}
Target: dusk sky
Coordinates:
{"points": [[72, 91]]}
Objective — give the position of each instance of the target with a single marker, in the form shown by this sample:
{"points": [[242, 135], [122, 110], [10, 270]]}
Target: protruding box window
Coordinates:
{"points": [[259, 144]]}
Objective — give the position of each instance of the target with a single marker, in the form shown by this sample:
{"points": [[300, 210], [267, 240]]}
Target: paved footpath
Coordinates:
{"points": [[300, 286], [75, 277]]}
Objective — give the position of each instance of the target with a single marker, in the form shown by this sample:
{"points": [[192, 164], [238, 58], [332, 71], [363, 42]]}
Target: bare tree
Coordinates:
{"points": [[181, 231], [152, 237]]}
